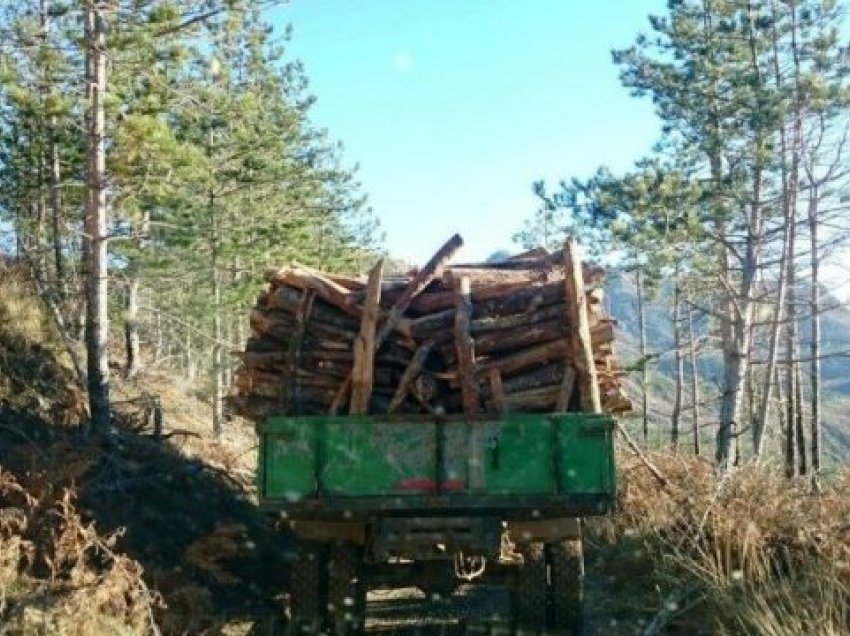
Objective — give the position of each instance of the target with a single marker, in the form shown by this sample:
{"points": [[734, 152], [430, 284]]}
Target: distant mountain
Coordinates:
{"points": [[621, 303]]}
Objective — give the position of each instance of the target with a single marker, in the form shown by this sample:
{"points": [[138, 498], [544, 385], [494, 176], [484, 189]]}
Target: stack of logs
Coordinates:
{"points": [[521, 335]]}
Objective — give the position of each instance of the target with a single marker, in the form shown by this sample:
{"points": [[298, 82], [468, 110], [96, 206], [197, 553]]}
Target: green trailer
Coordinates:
{"points": [[427, 502]]}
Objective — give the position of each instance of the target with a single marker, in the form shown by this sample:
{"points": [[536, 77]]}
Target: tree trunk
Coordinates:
{"points": [[644, 372], [218, 351], [695, 393], [737, 354], [96, 223], [56, 210], [190, 366], [814, 346], [131, 328], [798, 415], [675, 420]]}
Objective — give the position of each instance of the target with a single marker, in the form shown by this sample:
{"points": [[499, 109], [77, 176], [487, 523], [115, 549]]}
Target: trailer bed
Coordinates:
{"points": [[513, 466]]}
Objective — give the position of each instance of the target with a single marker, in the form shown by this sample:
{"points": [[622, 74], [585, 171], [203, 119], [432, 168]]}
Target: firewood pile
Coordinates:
{"points": [[527, 334]]}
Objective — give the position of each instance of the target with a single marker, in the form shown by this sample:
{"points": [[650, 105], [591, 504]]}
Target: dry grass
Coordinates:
{"points": [[58, 574], [753, 553]]}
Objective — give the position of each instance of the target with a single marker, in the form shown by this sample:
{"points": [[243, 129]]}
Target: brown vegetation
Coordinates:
{"points": [[746, 554]]}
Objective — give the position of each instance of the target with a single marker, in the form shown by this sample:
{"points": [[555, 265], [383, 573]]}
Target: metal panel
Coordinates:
{"points": [[324, 462]]}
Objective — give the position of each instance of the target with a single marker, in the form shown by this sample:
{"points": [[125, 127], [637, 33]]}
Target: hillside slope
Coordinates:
{"points": [[122, 534], [621, 299]]}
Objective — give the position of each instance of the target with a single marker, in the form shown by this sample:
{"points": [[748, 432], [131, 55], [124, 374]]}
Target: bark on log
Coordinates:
{"points": [[410, 374], [582, 349], [497, 392], [291, 394], [541, 399], [465, 348], [486, 277], [566, 391], [518, 321], [306, 278], [364, 344], [513, 339], [516, 362]]}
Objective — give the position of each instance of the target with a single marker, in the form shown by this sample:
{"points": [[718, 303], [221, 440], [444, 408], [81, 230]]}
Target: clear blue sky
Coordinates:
{"points": [[453, 107]]}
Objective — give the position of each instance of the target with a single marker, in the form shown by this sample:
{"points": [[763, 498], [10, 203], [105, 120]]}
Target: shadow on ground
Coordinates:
{"points": [[203, 544]]}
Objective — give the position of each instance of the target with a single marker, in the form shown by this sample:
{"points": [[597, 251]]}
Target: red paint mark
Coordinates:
{"points": [[429, 485]]}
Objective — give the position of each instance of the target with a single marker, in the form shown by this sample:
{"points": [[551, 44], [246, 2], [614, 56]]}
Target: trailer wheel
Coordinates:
{"points": [[567, 563], [346, 589], [531, 587], [308, 587]]}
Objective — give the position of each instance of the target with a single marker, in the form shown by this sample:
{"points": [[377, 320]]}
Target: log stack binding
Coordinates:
{"points": [[527, 334]]}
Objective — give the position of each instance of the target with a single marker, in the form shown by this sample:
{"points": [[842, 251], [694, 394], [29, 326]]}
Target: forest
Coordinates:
{"points": [[158, 157], [731, 222]]}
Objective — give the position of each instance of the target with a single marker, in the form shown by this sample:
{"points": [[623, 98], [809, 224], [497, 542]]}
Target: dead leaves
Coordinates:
{"points": [[210, 552]]}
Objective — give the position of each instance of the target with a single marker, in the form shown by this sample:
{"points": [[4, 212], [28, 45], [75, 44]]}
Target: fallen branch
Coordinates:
{"points": [[642, 456]]}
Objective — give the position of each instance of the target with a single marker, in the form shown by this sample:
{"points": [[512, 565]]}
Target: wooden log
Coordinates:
{"points": [[497, 300], [516, 362], [581, 345], [464, 347], [520, 338], [364, 345], [431, 325], [286, 297], [602, 333], [427, 326], [325, 372], [497, 391], [306, 278], [487, 277], [568, 383], [291, 392], [546, 375], [541, 399], [517, 321], [537, 252], [411, 372]]}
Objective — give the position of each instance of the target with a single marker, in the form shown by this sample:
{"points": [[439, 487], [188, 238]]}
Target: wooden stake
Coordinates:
{"points": [[497, 391], [292, 390], [364, 345], [465, 348], [581, 344], [410, 374], [568, 382]]}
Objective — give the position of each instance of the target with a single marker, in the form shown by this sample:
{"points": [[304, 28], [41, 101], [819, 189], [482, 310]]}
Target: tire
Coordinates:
{"points": [[531, 588], [437, 579], [308, 587], [567, 586], [346, 590]]}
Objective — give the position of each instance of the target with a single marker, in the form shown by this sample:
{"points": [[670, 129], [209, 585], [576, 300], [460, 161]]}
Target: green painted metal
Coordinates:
{"points": [[308, 460]]}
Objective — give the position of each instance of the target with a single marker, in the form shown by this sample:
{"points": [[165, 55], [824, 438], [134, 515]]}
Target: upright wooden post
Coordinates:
{"points": [[580, 341], [465, 348], [292, 393], [364, 345]]}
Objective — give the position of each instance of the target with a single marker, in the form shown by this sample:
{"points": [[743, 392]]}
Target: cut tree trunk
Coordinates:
{"points": [[465, 348], [581, 345], [364, 345]]}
